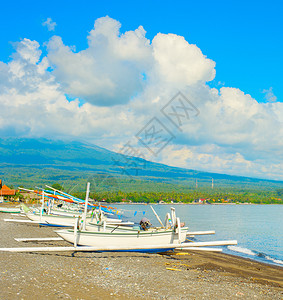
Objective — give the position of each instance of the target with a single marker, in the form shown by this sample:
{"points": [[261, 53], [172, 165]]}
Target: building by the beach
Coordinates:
{"points": [[5, 192]]}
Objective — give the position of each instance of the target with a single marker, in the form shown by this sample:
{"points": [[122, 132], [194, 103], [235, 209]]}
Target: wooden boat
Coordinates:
{"points": [[64, 218], [130, 238], [104, 237], [59, 216], [168, 237]]}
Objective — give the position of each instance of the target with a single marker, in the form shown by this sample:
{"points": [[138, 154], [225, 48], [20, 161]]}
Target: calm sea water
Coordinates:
{"points": [[258, 228]]}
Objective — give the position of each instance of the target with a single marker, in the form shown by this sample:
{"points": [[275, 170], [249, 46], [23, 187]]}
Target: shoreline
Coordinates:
{"points": [[256, 260], [122, 275], [143, 203], [243, 255]]}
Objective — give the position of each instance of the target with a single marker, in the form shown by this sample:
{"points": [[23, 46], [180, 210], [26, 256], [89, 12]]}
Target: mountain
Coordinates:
{"points": [[31, 161]]}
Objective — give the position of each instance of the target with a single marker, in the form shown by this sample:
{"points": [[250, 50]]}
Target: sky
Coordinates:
{"points": [[206, 76]]}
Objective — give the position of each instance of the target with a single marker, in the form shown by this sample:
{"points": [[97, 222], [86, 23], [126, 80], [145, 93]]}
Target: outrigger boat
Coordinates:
{"points": [[63, 216], [64, 220], [103, 235], [120, 238], [132, 239], [151, 240]]}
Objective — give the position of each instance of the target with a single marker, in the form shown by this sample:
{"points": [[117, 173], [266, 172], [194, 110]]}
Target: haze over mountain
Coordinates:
{"points": [[28, 160]]}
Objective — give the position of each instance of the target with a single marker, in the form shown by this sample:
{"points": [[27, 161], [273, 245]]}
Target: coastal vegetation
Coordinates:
{"points": [[202, 196], [111, 189]]}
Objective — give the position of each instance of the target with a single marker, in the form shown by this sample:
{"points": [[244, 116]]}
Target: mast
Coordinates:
{"points": [[86, 203]]}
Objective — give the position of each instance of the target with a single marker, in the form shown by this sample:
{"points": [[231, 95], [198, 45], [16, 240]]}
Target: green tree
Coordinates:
{"points": [[57, 186]]}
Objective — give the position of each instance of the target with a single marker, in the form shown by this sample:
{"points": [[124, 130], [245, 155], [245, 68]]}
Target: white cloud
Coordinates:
{"points": [[49, 24], [219, 161], [110, 71], [124, 80], [269, 95], [179, 63]]}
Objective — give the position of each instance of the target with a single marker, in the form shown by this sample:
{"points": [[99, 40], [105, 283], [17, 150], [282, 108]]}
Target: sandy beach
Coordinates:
{"points": [[84, 275]]}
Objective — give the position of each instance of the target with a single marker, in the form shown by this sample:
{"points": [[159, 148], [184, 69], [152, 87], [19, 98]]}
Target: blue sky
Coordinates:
{"points": [[244, 38], [100, 71]]}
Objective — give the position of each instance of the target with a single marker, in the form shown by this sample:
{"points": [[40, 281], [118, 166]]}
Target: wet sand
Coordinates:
{"points": [[86, 275]]}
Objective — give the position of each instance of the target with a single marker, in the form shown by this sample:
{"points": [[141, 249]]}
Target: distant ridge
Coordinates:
{"points": [[74, 156]]}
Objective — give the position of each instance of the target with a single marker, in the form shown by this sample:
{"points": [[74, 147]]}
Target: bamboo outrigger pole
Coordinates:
{"points": [[185, 246], [42, 206], [157, 217], [86, 203]]}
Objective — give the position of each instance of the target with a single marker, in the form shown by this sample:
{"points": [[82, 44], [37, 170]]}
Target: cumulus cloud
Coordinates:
{"points": [[122, 80], [34, 104], [110, 71], [49, 24], [117, 67], [180, 63]]}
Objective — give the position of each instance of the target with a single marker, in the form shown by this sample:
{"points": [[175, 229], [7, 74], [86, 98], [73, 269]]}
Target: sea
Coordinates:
{"points": [[257, 228]]}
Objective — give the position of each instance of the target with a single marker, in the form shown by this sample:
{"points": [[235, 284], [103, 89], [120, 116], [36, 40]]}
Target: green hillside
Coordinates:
{"points": [[36, 162]]}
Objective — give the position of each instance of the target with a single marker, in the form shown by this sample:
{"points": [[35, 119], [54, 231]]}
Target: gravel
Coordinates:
{"points": [[109, 275]]}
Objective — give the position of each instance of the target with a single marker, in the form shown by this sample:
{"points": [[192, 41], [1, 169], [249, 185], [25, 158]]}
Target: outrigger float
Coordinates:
{"points": [[104, 237]]}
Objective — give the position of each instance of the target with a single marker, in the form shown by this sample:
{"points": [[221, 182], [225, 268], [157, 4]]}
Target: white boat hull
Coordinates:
{"points": [[131, 239], [53, 219], [59, 220]]}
